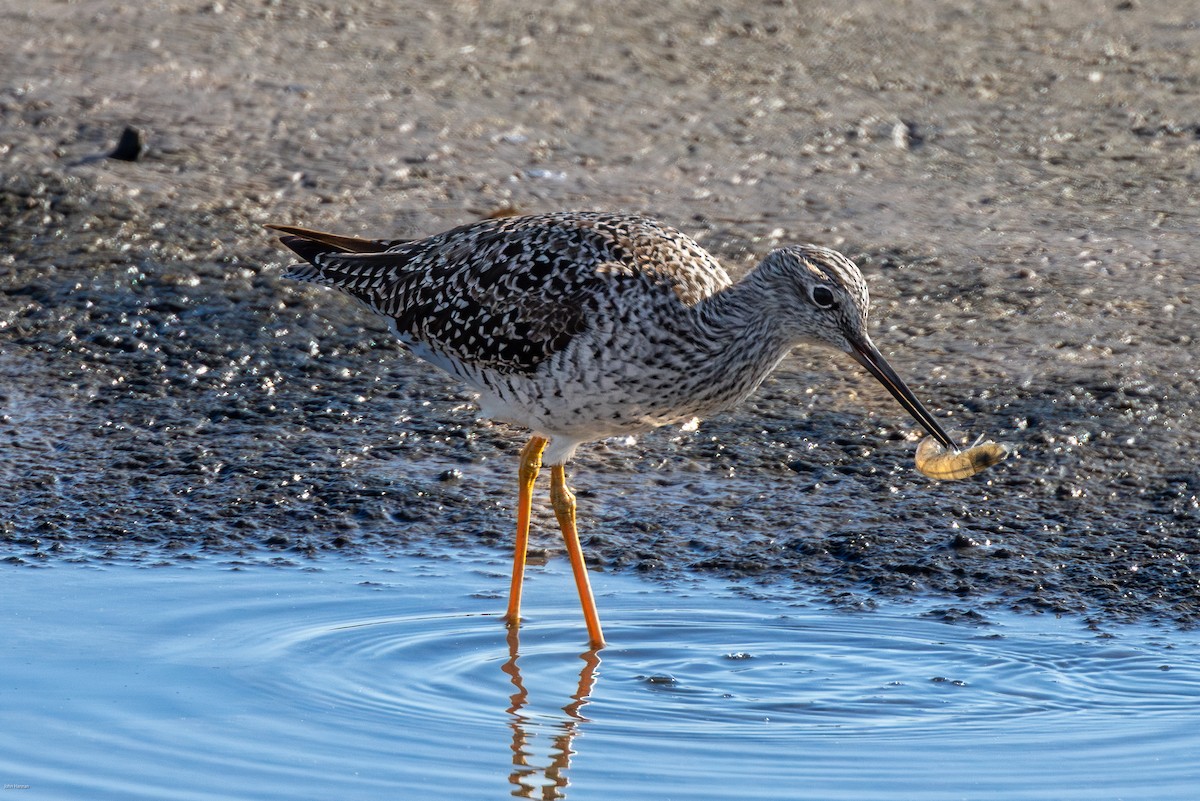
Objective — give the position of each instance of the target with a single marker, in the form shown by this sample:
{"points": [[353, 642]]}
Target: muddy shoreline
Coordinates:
{"points": [[1017, 184]]}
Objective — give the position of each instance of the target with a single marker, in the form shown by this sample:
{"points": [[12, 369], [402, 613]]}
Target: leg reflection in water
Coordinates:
{"points": [[524, 777]]}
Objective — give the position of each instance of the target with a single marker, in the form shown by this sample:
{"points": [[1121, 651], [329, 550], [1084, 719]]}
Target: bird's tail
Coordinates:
{"points": [[310, 245]]}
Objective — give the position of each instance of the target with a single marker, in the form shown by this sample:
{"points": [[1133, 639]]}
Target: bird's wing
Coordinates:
{"points": [[507, 294]]}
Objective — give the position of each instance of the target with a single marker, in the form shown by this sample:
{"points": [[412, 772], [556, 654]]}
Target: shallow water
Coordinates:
{"points": [[394, 678]]}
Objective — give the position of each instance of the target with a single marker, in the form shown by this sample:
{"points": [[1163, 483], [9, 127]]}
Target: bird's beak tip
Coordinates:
{"points": [[865, 353]]}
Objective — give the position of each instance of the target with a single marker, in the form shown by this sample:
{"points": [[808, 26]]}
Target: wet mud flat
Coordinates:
{"points": [[1018, 185]]}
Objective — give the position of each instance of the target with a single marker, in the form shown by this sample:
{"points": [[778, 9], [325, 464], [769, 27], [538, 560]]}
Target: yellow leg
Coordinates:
{"points": [[564, 509], [531, 463]]}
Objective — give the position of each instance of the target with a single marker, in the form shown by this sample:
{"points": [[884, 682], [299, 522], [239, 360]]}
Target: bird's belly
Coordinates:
{"points": [[582, 412], [600, 400], [615, 380]]}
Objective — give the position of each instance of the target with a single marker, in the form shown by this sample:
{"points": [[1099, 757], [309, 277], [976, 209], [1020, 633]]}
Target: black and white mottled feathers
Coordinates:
{"points": [[582, 325], [507, 294]]}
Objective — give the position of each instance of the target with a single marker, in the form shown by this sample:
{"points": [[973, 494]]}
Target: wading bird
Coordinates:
{"points": [[582, 325]]}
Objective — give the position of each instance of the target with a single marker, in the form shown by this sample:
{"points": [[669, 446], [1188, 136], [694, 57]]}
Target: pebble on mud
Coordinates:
{"points": [[129, 146]]}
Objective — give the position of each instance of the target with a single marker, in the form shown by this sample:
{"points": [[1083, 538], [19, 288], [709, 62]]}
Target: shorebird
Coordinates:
{"points": [[582, 326]]}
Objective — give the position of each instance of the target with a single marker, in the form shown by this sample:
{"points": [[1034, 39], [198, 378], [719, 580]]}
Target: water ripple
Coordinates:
{"points": [[359, 680]]}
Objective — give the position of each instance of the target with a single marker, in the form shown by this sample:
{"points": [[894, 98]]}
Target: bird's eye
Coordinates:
{"points": [[823, 297]]}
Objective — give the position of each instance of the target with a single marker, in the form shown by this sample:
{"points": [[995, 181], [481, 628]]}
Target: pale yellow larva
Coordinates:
{"points": [[936, 462]]}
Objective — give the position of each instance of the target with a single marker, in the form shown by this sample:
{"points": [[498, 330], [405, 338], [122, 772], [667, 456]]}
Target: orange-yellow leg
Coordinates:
{"points": [[563, 502], [531, 463]]}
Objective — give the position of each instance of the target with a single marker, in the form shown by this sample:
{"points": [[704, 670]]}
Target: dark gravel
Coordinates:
{"points": [[1017, 182]]}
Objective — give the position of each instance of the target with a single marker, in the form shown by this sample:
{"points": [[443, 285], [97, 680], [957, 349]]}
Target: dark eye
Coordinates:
{"points": [[823, 297]]}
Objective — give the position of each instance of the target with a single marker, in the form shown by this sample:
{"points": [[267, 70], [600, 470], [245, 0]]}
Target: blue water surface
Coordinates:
{"points": [[393, 677]]}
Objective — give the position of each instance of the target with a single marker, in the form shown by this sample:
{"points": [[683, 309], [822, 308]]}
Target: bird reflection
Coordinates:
{"points": [[525, 727]]}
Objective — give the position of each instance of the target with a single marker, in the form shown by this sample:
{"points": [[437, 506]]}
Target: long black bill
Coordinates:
{"points": [[866, 354]]}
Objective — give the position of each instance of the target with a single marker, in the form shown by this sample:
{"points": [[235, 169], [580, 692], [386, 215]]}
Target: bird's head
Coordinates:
{"points": [[820, 295]]}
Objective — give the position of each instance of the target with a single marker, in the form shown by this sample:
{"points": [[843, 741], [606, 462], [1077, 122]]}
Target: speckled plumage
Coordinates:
{"points": [[584, 325]]}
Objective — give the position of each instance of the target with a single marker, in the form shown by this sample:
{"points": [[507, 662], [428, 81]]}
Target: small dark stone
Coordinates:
{"points": [[952, 614], [944, 680], [129, 147], [910, 569]]}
